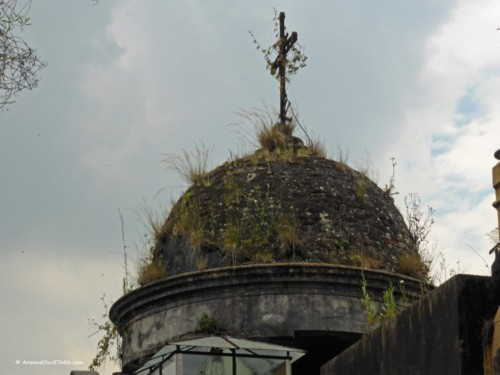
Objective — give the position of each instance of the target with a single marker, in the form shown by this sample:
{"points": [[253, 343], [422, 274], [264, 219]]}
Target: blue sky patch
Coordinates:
{"points": [[468, 108], [440, 144]]}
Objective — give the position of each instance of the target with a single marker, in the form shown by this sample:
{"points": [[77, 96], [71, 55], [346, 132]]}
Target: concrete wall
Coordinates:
{"points": [[314, 307], [439, 335]]}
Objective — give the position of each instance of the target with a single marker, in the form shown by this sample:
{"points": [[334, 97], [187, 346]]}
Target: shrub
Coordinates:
{"points": [[387, 310], [206, 324], [109, 346], [412, 265]]}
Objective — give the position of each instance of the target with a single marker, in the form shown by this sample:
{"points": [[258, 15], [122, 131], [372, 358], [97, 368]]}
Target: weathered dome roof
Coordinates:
{"points": [[287, 208]]}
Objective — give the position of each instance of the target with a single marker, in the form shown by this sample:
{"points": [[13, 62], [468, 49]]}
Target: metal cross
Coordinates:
{"points": [[285, 43]]}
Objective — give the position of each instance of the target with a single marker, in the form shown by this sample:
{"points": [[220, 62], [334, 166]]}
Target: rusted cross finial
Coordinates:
{"points": [[285, 43]]}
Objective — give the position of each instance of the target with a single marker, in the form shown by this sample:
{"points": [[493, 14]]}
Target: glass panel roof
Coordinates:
{"points": [[227, 344], [201, 364]]}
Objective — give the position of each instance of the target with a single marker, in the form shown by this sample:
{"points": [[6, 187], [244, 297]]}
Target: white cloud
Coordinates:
{"points": [[446, 159], [417, 80], [50, 301]]}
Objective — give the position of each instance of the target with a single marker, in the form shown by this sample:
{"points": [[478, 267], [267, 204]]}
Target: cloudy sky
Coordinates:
{"points": [[128, 81]]}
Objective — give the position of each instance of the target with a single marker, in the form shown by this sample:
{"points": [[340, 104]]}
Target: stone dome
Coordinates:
{"points": [[280, 248], [284, 208]]}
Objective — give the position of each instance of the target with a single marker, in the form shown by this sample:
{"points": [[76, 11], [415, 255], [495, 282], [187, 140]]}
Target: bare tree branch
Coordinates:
{"points": [[19, 63]]}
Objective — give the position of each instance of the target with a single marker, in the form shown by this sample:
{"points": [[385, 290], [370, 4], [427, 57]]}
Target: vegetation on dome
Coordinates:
{"points": [[250, 225], [257, 227], [227, 211]]}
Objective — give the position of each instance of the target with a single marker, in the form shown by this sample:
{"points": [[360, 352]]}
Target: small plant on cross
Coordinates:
{"points": [[289, 59]]}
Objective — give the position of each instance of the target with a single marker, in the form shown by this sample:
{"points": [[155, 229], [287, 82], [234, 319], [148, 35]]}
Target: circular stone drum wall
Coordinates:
{"points": [[318, 308]]}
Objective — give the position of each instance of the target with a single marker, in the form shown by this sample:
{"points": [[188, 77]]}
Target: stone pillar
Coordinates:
{"points": [[496, 185]]}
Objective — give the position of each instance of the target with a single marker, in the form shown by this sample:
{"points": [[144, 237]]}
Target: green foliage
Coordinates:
{"points": [[150, 268], [233, 240], [201, 262], [255, 227], [389, 307], [295, 60], [287, 233], [390, 189], [206, 324], [420, 223], [153, 220], [376, 315], [360, 258], [232, 191], [148, 264], [189, 222], [250, 226], [371, 311], [360, 188], [109, 346]]}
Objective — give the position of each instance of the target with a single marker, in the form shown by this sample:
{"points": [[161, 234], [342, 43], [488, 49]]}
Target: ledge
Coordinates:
{"points": [[343, 278]]}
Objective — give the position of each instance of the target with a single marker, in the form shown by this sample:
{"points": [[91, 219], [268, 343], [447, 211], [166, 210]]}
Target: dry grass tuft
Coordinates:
{"points": [[412, 265], [287, 233], [273, 137], [313, 147], [363, 260], [266, 131], [153, 220], [191, 166], [233, 241], [149, 265], [360, 188], [150, 271], [367, 169], [342, 155], [188, 222], [201, 262], [262, 257]]}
